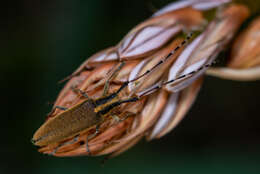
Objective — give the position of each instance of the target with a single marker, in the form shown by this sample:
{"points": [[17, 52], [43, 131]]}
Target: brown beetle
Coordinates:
{"points": [[90, 112]]}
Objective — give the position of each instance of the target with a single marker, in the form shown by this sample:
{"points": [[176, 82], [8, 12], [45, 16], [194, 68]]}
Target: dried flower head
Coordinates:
{"points": [[143, 86]]}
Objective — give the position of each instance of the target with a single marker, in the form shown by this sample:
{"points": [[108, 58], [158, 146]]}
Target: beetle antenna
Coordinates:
{"points": [[184, 42], [159, 86], [149, 90]]}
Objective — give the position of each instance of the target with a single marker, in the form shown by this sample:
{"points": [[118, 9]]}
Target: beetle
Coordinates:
{"points": [[78, 118], [90, 112]]}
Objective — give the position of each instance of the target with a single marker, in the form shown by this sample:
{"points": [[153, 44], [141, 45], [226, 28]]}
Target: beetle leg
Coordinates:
{"points": [[61, 108], [56, 107], [91, 136], [111, 96], [126, 117], [75, 139], [113, 75], [76, 90], [118, 119]]}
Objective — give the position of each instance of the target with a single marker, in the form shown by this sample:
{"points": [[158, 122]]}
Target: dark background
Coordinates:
{"points": [[44, 41]]}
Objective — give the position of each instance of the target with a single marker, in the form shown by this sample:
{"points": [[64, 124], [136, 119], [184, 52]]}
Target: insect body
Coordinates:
{"points": [[78, 118], [90, 112]]}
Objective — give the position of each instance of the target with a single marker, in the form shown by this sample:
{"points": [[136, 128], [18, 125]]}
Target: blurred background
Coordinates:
{"points": [[44, 41]]}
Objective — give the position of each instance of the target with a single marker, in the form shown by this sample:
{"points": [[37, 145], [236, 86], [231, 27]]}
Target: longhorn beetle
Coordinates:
{"points": [[90, 112]]}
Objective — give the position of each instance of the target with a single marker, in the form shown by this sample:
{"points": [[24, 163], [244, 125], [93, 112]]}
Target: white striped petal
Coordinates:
{"points": [[135, 72], [166, 116], [183, 58], [197, 4], [147, 40]]}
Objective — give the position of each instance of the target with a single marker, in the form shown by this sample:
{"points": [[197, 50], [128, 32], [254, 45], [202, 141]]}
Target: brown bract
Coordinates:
{"points": [[244, 62], [246, 51]]}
